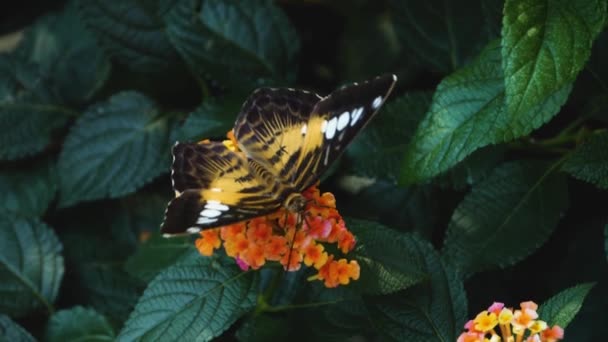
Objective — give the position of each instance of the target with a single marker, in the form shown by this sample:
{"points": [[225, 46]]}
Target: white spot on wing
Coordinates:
{"points": [[216, 206], [205, 220], [331, 128], [377, 102], [304, 128], [210, 213], [323, 126], [356, 115], [343, 120], [216, 189], [193, 230]]}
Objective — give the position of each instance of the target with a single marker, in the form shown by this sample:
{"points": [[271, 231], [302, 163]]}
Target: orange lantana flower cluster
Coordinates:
{"points": [[513, 326], [290, 239]]}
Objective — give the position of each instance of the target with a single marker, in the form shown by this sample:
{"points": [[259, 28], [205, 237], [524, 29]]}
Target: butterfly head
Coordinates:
{"points": [[295, 202]]}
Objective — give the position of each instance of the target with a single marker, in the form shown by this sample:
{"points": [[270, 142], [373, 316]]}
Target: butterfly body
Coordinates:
{"points": [[286, 139]]}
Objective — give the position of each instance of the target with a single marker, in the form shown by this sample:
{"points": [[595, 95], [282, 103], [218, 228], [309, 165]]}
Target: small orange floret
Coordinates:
{"points": [[553, 334], [275, 248], [236, 245], [334, 273], [470, 337], [208, 241], [254, 256], [315, 255], [295, 260], [259, 231], [346, 241]]}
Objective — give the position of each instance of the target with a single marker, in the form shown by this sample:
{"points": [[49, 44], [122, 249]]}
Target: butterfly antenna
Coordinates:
{"points": [[293, 239]]}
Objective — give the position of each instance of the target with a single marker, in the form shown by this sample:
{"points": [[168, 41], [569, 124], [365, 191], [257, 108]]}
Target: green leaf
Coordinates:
{"points": [[468, 112], [433, 310], [263, 328], [444, 34], [29, 116], [561, 308], [96, 257], [155, 255], [113, 149], [544, 46], [27, 192], [195, 299], [235, 42], [473, 168], [589, 162], [107, 288], [13, 332], [390, 261], [413, 208], [79, 324], [133, 35], [374, 151], [31, 265], [505, 217], [368, 45], [68, 54], [212, 118]]}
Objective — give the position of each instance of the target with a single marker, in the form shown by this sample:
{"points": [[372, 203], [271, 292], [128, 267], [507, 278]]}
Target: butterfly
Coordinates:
{"points": [[287, 138]]}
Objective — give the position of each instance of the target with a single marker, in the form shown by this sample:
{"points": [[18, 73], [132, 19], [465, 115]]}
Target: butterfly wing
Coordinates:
{"points": [[216, 186], [334, 122], [270, 127]]}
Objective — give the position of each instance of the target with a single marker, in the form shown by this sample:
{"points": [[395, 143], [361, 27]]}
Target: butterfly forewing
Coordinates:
{"points": [[334, 122], [269, 127], [216, 186]]}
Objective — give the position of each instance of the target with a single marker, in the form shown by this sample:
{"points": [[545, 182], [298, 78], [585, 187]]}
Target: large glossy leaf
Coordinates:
{"points": [[390, 260], [27, 192], [589, 162], [13, 332], [468, 112], [213, 118], [79, 324], [29, 115], [375, 151], [506, 217], [113, 149], [96, 254], [31, 265], [155, 255], [433, 310], [234, 41], [444, 34], [544, 46], [67, 54], [196, 299], [131, 33], [561, 308]]}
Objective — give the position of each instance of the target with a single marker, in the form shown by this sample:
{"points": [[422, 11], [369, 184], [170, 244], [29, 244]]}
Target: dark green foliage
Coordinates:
{"points": [[78, 324], [486, 169]]}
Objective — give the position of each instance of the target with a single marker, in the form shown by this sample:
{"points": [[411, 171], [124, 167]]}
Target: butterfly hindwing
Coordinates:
{"points": [[334, 122], [216, 186]]}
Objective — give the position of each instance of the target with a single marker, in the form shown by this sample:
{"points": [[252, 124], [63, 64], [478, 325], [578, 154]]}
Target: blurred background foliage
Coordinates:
{"points": [[483, 178]]}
